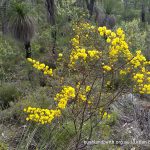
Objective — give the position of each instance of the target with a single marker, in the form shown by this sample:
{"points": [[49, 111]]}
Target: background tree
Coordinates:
{"points": [[143, 15], [51, 12], [22, 25], [90, 6], [106, 11]]}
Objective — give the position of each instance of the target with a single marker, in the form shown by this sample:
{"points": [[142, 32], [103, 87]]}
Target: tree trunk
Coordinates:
{"points": [[54, 37], [125, 9], [143, 19], [50, 5], [28, 49], [99, 17], [90, 6], [135, 4]]}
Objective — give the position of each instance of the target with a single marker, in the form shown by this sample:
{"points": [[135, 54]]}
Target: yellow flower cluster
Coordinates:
{"points": [[86, 25], [75, 41], [41, 66], [141, 75], [118, 46], [82, 93], [104, 115], [42, 116], [136, 65], [60, 55], [82, 31], [88, 88], [79, 53], [118, 49], [94, 54], [64, 96], [45, 116], [142, 82], [83, 55], [76, 55], [139, 60], [123, 72], [106, 68], [80, 26]]}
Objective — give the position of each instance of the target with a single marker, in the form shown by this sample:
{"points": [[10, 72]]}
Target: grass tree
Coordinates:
{"points": [[22, 25]]}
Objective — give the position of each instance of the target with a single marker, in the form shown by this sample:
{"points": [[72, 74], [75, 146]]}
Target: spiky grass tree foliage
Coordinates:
{"points": [[22, 25]]}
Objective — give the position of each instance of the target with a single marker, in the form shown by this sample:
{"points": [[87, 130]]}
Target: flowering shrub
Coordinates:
{"points": [[98, 56]]}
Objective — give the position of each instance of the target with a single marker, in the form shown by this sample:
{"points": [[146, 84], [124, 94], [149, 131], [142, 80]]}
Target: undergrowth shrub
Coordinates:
{"points": [[8, 93], [3, 146], [82, 87], [10, 59]]}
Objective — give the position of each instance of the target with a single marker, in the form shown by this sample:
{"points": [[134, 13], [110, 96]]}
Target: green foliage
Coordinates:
{"points": [[10, 57], [6, 49], [147, 44], [69, 11], [112, 6], [40, 97], [130, 14], [19, 8], [64, 135], [42, 39], [3, 146], [8, 93], [134, 35], [113, 119], [12, 65]]}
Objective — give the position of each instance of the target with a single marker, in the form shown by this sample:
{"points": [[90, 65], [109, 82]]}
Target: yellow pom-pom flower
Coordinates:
{"points": [[41, 66]]}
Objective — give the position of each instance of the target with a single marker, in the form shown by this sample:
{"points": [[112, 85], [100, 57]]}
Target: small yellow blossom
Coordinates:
{"points": [[107, 68], [60, 54], [88, 88]]}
